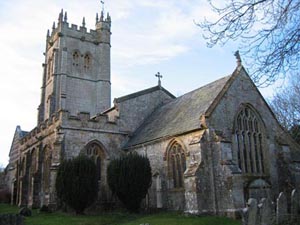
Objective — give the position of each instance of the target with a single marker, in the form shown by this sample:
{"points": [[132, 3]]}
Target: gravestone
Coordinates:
{"points": [[25, 211], [250, 213], [11, 219], [294, 205], [281, 209], [266, 212]]}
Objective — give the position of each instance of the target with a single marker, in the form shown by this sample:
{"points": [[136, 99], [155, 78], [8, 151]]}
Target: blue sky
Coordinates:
{"points": [[147, 36]]}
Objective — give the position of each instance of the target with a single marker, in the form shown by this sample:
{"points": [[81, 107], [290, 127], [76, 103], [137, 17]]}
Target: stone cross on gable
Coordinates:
{"points": [[159, 76]]}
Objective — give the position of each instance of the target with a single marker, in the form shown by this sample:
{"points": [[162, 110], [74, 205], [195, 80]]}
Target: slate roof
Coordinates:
{"points": [[179, 116]]}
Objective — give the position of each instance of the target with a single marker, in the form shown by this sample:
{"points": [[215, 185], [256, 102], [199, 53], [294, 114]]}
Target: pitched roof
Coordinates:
{"points": [[143, 92], [179, 116]]}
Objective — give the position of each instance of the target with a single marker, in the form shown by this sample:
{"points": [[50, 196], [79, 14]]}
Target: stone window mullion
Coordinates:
{"points": [[240, 151], [174, 170], [249, 142], [245, 153], [176, 164], [261, 154], [257, 155], [249, 157], [252, 150], [179, 169]]}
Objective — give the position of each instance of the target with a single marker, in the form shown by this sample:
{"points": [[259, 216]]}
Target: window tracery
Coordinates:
{"points": [[34, 161], [95, 151], [249, 141], [50, 68], [46, 170], [75, 57], [176, 164], [87, 62]]}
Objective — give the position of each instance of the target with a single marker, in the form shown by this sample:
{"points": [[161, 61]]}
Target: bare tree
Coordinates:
{"points": [[269, 31], [286, 106]]}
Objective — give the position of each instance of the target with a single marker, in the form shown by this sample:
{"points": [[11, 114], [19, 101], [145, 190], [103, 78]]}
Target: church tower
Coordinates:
{"points": [[76, 75]]}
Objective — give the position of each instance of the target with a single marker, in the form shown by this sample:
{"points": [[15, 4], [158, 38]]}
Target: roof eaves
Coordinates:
{"points": [[108, 110], [127, 147]]}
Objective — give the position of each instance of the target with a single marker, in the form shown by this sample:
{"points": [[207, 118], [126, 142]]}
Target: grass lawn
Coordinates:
{"points": [[168, 218]]}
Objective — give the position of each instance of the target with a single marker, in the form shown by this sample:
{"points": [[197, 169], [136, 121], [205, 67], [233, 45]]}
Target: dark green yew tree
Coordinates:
{"points": [[76, 183], [129, 178]]}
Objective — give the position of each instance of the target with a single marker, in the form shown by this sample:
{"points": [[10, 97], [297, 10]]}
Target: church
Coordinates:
{"points": [[210, 149]]}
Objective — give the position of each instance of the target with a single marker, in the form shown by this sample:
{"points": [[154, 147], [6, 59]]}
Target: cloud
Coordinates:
{"points": [[165, 31], [144, 34]]}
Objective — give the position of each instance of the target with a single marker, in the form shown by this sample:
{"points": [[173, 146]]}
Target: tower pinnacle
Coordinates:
{"points": [[83, 22], [60, 16], [66, 17], [102, 3]]}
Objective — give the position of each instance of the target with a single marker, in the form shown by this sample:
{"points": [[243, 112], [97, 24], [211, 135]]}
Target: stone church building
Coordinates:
{"points": [[210, 149]]}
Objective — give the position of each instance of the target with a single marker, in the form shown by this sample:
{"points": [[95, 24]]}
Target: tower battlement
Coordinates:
{"points": [[63, 28], [63, 120], [77, 68]]}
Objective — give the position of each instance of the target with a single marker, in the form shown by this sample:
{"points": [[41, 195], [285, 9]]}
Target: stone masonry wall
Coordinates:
{"points": [[134, 111], [242, 91], [174, 199]]}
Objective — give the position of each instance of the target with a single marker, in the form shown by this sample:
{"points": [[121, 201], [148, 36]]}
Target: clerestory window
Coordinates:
{"points": [[249, 141]]}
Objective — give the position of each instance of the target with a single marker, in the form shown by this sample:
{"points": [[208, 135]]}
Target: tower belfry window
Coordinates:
{"points": [[50, 68], [87, 62], [75, 59]]}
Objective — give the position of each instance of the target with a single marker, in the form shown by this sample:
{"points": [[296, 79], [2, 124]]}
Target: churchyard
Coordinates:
{"points": [[117, 218]]}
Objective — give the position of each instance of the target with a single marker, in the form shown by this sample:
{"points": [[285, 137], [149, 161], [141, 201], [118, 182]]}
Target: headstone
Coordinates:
{"points": [[250, 213], [281, 209], [19, 220], [294, 205], [25, 211], [11, 219], [266, 212], [245, 216]]}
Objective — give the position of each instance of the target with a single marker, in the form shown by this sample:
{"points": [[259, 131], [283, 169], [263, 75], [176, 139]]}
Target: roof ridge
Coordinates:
{"points": [[143, 92], [181, 114]]}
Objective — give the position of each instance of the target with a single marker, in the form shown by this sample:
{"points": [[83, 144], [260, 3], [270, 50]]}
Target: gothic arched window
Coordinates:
{"points": [[176, 164], [34, 161], [22, 167], [75, 58], [46, 169], [87, 62], [249, 141], [50, 68], [95, 151]]}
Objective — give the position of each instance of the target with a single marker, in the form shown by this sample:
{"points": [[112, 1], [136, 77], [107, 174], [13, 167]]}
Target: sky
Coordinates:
{"points": [[147, 37]]}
